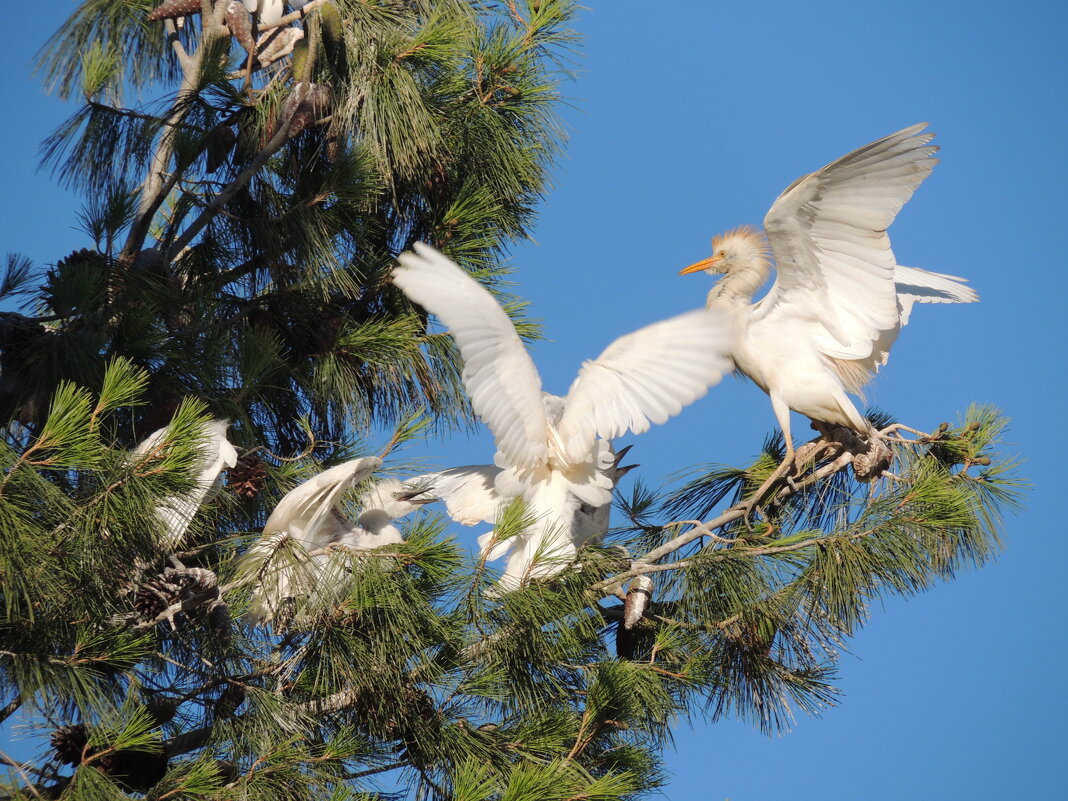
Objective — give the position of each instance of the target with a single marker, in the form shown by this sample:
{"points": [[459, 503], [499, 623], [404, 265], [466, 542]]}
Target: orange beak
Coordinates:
{"points": [[704, 264]]}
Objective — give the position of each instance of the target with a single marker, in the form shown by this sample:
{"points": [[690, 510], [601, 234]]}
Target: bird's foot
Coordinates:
{"points": [[874, 460]]}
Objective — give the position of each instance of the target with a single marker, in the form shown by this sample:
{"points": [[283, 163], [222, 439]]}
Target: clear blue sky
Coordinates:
{"points": [[689, 118]]}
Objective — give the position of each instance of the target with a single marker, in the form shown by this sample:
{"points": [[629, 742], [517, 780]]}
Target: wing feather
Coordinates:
{"points": [[827, 232], [303, 510], [468, 492], [499, 376], [645, 377]]}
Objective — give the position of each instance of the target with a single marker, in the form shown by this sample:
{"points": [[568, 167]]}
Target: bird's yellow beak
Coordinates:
{"points": [[704, 264]]}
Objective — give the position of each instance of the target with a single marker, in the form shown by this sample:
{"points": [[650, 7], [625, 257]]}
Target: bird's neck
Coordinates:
{"points": [[737, 287]]}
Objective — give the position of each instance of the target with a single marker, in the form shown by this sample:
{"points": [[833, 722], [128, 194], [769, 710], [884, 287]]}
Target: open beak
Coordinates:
{"points": [[412, 497], [620, 454], [622, 471], [701, 266]]}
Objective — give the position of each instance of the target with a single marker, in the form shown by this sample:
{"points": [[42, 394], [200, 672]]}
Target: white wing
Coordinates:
{"points": [[645, 377], [215, 453], [833, 257], [920, 286], [468, 492], [306, 518], [913, 286], [499, 376], [304, 510]]}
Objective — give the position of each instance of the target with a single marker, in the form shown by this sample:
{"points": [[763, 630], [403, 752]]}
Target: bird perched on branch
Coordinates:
{"points": [[289, 559], [215, 453], [839, 298], [554, 451]]}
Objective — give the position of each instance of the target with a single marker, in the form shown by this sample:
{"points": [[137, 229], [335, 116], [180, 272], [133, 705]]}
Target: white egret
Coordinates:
{"points": [[267, 12], [839, 298], [215, 453], [548, 447], [290, 557], [470, 496]]}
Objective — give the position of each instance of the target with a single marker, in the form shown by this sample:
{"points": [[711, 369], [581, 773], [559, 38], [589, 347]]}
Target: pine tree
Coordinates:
{"points": [[240, 231]]}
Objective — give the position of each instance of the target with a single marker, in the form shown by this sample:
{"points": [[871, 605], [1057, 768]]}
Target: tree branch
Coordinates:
{"points": [[155, 188]]}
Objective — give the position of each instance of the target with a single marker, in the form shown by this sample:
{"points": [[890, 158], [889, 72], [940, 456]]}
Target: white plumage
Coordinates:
{"points": [[289, 560], [268, 11], [553, 451], [839, 298], [215, 453]]}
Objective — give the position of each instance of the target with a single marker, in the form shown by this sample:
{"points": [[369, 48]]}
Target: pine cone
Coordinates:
{"points": [[275, 44], [135, 770], [69, 743], [226, 705], [158, 594], [239, 23], [172, 9], [248, 477], [872, 463], [170, 587], [305, 104]]}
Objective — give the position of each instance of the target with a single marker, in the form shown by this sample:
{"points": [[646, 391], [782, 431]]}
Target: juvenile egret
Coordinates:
{"points": [[289, 560], [548, 447], [176, 512], [839, 298]]}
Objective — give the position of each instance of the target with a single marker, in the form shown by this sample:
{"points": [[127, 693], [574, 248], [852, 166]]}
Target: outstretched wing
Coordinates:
{"points": [[913, 286], [302, 511], [645, 377], [499, 376], [833, 258], [301, 522], [468, 492]]}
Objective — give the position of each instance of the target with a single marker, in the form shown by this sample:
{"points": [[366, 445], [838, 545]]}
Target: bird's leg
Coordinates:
{"points": [[782, 414]]}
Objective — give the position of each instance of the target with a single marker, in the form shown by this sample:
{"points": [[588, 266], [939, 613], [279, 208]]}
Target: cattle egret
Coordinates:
{"points": [[839, 298], [470, 496], [554, 451], [289, 559], [215, 453]]}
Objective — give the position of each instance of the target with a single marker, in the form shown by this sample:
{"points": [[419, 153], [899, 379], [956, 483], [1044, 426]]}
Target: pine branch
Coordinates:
{"points": [[155, 187]]}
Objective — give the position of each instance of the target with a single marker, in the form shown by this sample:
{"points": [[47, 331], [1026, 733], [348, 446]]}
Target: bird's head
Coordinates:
{"points": [[740, 249]]}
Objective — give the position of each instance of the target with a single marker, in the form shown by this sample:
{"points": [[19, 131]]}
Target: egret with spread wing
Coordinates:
{"points": [[554, 451], [289, 559], [470, 496], [839, 298], [215, 453]]}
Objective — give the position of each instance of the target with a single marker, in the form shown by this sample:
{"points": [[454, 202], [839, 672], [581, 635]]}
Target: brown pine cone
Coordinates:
{"points": [[69, 743], [172, 9], [159, 593], [239, 22], [248, 477]]}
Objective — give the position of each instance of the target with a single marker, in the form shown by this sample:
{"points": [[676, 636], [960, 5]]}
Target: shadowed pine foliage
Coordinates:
{"points": [[242, 214]]}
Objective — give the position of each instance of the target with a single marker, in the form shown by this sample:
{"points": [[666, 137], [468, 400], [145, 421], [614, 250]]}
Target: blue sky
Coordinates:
{"points": [[689, 118]]}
